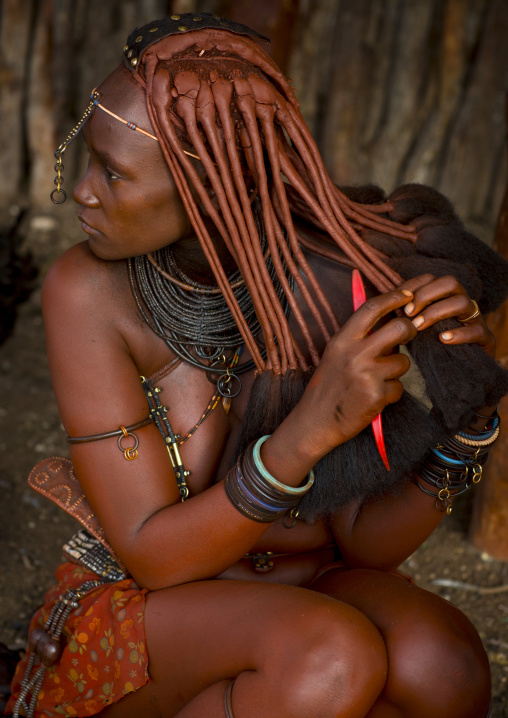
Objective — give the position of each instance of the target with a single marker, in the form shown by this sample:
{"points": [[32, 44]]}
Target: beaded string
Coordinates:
{"points": [[88, 551], [212, 404], [214, 401], [193, 318], [38, 646], [189, 285]]}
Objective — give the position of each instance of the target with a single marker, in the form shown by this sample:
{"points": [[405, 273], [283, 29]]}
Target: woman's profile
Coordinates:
{"points": [[228, 397]]}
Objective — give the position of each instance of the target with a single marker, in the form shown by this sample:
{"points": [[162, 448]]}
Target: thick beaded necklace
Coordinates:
{"points": [[193, 318], [193, 314]]}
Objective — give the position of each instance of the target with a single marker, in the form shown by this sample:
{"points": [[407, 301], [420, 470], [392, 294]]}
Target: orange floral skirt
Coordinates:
{"points": [[105, 652]]}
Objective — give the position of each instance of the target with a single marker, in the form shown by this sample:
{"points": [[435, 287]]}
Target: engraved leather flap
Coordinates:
{"points": [[55, 479]]}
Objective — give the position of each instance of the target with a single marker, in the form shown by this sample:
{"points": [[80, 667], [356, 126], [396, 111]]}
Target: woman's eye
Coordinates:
{"points": [[111, 175]]}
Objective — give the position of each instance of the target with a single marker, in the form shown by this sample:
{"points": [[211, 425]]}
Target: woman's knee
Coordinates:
{"points": [[335, 659], [437, 663]]}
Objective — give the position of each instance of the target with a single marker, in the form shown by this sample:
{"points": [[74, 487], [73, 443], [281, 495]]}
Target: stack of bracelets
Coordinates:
{"points": [[452, 467], [257, 494]]}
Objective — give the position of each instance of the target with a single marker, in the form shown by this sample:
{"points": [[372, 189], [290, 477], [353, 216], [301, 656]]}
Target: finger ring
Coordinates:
{"points": [[475, 314]]}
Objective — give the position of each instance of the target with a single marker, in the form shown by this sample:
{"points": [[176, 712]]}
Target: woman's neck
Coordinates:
{"points": [[190, 259]]}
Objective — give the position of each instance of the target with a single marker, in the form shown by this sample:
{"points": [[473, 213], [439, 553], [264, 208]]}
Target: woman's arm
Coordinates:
{"points": [[98, 389], [162, 541]]}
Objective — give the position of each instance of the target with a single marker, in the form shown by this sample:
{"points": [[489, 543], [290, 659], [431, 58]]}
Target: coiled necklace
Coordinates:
{"points": [[194, 318]]}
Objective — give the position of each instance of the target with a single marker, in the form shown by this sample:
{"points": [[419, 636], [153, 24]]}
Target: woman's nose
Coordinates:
{"points": [[83, 192]]}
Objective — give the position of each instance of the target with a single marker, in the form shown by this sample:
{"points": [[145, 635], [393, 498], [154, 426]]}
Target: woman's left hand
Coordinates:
{"points": [[445, 298]]}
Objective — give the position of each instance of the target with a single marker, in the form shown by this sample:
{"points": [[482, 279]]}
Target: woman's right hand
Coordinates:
{"points": [[359, 374]]}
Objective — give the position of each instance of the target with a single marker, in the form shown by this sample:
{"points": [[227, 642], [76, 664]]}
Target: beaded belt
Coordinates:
{"points": [[86, 550]]}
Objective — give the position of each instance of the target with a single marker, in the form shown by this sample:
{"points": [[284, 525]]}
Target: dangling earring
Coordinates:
{"points": [[59, 195]]}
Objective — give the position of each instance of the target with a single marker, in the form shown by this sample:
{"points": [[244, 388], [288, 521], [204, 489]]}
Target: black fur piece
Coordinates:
{"points": [[409, 267], [391, 246], [441, 234], [459, 378], [271, 399], [414, 200], [354, 470], [365, 194], [451, 241]]}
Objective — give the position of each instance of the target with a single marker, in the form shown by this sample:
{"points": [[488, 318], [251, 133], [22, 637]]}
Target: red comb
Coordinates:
{"points": [[359, 297]]}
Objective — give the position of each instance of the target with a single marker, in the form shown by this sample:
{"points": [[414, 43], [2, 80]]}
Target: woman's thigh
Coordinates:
{"points": [[293, 652], [436, 661]]}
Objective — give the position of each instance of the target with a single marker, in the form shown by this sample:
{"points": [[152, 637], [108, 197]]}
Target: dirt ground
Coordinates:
{"points": [[32, 530]]}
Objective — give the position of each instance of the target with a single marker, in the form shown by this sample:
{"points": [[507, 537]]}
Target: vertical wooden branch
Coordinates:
{"points": [[489, 526], [15, 35]]}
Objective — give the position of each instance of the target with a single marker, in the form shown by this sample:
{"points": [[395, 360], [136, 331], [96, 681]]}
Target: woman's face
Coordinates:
{"points": [[129, 203]]}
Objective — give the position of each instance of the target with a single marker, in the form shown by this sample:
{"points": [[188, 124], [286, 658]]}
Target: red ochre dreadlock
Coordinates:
{"points": [[221, 94]]}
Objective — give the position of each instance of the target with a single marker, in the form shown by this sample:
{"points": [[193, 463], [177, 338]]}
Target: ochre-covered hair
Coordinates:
{"points": [[220, 95]]}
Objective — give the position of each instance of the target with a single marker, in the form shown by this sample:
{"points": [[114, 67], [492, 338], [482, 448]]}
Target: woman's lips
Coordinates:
{"points": [[87, 227]]}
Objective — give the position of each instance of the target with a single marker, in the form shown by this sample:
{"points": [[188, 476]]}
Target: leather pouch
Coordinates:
{"points": [[55, 479]]}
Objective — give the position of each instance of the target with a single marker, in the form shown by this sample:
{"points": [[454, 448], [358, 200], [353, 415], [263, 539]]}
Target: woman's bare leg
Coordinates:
{"points": [[293, 654], [437, 665]]}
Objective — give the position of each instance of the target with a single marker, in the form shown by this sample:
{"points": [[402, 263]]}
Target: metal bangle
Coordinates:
{"points": [[297, 491], [241, 504], [486, 433], [469, 441]]}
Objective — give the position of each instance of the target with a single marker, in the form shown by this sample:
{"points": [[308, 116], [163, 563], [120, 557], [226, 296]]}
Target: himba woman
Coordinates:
{"points": [[252, 527]]}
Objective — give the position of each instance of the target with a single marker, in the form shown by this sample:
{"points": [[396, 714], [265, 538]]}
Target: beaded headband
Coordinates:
{"points": [[130, 125]]}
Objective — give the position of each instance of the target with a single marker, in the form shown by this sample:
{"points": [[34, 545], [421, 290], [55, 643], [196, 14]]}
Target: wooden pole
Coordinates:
{"points": [[489, 525]]}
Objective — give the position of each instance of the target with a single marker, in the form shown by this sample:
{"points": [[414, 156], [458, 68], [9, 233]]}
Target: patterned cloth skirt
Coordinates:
{"points": [[104, 657]]}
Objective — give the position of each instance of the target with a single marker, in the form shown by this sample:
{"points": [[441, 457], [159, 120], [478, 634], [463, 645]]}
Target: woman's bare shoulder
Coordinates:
{"points": [[81, 305], [78, 281]]}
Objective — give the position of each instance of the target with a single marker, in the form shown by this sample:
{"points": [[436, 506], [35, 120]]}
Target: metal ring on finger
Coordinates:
{"points": [[474, 315]]}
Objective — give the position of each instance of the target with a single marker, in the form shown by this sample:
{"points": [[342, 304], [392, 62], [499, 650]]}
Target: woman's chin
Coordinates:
{"points": [[102, 252]]}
